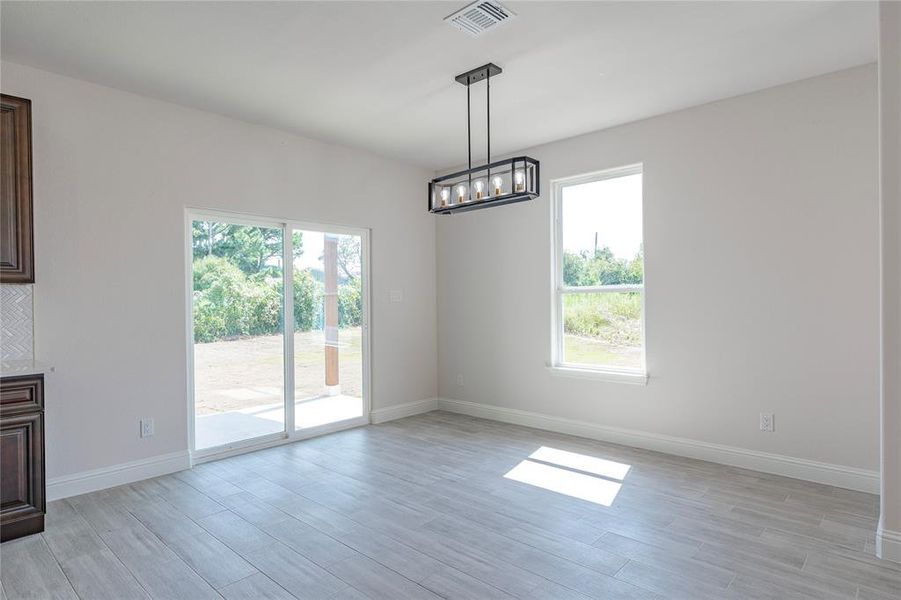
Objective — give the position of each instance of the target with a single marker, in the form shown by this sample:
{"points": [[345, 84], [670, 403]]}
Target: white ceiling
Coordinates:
{"points": [[380, 75]]}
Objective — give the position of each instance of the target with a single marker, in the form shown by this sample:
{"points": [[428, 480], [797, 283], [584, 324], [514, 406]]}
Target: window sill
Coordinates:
{"points": [[634, 378]]}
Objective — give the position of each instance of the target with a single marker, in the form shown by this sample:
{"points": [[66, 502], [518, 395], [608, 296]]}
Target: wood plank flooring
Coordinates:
{"points": [[421, 508]]}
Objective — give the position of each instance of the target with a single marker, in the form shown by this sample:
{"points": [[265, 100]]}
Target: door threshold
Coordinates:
{"points": [[271, 441]]}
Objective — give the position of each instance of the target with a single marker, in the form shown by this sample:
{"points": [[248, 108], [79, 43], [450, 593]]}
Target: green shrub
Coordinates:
{"points": [[307, 301], [615, 318], [601, 267], [350, 303], [263, 305], [228, 304]]}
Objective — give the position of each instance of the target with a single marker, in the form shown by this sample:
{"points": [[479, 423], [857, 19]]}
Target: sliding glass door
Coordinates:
{"points": [[328, 319], [251, 383]]}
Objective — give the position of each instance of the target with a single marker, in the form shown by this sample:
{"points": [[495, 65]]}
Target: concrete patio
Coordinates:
{"points": [[218, 429]]}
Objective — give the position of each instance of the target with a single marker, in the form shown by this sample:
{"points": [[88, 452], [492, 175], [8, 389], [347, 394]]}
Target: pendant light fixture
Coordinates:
{"points": [[492, 184]]}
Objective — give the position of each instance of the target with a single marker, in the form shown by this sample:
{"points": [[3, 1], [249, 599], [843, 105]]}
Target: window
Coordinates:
{"points": [[599, 274]]}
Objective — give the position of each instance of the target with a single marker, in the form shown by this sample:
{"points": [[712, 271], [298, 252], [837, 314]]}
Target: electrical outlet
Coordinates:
{"points": [[396, 295], [460, 381], [146, 428], [767, 422]]}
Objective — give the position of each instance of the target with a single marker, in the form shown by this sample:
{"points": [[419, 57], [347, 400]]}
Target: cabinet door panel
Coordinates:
{"points": [[14, 467], [22, 502], [21, 395], [16, 245]]}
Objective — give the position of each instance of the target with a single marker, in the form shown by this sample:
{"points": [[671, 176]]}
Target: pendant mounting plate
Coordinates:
{"points": [[478, 74]]}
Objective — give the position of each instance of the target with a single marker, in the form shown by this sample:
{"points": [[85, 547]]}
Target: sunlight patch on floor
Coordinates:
{"points": [[572, 474], [582, 462]]}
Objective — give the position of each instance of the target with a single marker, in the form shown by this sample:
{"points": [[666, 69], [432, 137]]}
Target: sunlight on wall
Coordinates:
{"points": [[576, 475]]}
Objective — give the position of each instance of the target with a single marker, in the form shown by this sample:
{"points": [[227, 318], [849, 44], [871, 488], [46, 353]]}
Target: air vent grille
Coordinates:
{"points": [[480, 17]]}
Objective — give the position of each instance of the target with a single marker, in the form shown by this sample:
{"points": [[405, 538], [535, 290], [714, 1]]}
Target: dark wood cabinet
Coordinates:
{"points": [[22, 483], [16, 228]]}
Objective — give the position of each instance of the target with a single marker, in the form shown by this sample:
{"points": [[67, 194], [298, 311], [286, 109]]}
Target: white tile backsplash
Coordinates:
{"points": [[16, 322]]}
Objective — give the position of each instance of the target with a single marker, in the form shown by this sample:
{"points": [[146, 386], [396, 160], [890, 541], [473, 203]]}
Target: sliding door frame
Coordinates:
{"points": [[290, 433]]}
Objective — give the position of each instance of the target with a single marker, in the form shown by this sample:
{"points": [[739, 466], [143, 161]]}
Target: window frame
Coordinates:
{"points": [[557, 364]]}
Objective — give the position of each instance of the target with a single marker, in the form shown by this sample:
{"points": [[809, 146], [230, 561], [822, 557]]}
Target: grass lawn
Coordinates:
{"points": [[235, 374], [595, 351], [603, 329]]}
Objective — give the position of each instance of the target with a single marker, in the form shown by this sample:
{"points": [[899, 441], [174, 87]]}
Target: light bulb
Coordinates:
{"points": [[519, 180], [498, 183], [445, 195], [461, 193], [479, 186]]}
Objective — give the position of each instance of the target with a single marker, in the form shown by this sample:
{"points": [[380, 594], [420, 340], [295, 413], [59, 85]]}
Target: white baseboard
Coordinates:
{"points": [[777, 464], [888, 544], [107, 477], [408, 409]]}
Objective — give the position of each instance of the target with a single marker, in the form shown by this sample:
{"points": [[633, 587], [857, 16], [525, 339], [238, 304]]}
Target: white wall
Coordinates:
{"points": [[113, 175], [760, 234], [760, 220], [888, 538]]}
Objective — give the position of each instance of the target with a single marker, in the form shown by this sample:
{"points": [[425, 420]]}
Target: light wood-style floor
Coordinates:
{"points": [[420, 508]]}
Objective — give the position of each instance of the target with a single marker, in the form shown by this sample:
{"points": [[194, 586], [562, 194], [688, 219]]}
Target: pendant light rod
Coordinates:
{"points": [[485, 72], [488, 116], [468, 126]]}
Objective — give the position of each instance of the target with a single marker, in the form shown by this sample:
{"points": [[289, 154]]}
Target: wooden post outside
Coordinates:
{"points": [[330, 260]]}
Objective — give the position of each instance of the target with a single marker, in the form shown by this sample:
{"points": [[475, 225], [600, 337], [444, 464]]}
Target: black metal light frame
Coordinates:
{"points": [[528, 167]]}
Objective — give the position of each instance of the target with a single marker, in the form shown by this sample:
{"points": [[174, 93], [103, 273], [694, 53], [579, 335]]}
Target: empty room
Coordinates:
{"points": [[539, 300]]}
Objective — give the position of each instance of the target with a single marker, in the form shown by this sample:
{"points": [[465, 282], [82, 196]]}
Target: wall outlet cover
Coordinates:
{"points": [[767, 422], [146, 428]]}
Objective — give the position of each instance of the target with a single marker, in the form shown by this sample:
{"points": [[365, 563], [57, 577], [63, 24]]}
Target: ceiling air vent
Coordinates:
{"points": [[480, 17]]}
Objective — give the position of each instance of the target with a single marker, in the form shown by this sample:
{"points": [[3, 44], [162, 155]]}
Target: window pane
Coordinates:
{"points": [[602, 242], [328, 321], [238, 333], [603, 329]]}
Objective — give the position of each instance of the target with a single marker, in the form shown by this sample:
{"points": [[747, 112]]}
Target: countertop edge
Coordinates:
{"points": [[22, 368]]}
